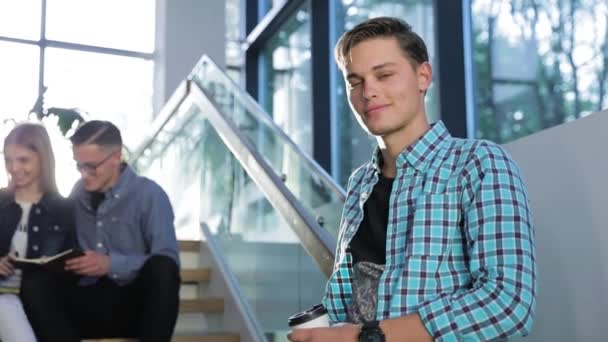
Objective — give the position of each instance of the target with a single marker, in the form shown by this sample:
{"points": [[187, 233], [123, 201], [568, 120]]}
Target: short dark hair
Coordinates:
{"points": [[409, 41], [97, 132]]}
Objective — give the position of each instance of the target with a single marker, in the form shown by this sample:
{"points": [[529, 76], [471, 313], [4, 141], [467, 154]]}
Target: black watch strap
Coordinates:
{"points": [[371, 332]]}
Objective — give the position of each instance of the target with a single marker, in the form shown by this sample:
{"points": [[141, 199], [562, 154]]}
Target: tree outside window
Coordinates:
{"points": [[537, 64]]}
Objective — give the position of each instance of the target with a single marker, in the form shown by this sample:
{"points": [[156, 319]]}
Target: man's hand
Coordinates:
{"points": [[344, 332], [91, 264], [6, 266]]}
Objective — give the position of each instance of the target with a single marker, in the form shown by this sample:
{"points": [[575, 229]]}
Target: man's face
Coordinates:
{"points": [[99, 166], [384, 90]]}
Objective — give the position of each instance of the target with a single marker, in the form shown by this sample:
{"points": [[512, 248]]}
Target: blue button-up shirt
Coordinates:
{"points": [[133, 222], [460, 247]]}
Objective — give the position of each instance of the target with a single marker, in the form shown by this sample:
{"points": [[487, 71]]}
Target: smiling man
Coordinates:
{"points": [[436, 241], [127, 282]]}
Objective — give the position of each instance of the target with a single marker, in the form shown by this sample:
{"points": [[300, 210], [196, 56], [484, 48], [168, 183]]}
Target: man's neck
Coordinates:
{"points": [[393, 144], [114, 180]]}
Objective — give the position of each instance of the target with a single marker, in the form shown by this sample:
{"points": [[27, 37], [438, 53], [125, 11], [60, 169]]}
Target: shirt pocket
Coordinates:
{"points": [[434, 226]]}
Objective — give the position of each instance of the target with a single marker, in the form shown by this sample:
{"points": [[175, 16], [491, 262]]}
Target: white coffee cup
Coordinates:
{"points": [[315, 317]]}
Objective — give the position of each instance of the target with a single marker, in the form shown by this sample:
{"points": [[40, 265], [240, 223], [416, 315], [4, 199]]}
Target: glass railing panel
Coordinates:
{"points": [[314, 189], [205, 182]]}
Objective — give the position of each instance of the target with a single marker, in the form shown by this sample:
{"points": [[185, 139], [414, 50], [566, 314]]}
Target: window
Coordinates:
{"points": [[286, 79], [19, 80], [235, 56], [20, 19], [118, 24], [97, 56], [537, 65]]}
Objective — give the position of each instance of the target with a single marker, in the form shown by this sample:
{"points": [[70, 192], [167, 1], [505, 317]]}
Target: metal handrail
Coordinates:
{"points": [[260, 114], [166, 113], [314, 238], [251, 322]]}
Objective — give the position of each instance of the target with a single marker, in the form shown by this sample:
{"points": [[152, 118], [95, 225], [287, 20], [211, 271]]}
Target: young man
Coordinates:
{"points": [[448, 218], [127, 282]]}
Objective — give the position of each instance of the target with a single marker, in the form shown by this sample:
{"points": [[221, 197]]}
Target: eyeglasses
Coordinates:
{"points": [[91, 168]]}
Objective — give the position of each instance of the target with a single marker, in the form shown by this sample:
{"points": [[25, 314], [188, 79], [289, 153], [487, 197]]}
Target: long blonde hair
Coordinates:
{"points": [[35, 137]]}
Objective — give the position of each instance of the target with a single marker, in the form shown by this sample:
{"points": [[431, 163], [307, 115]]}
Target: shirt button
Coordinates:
{"points": [[99, 245], [35, 247], [55, 227], [114, 275], [117, 196], [35, 228], [99, 223], [37, 210], [364, 195]]}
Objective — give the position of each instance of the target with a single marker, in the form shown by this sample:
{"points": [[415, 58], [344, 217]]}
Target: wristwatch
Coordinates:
{"points": [[371, 332]]}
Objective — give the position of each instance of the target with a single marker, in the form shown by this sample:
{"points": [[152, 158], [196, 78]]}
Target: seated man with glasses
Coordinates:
{"points": [[127, 282]]}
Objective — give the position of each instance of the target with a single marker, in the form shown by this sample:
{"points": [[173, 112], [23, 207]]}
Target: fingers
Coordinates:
{"points": [[300, 335], [75, 263], [90, 264], [84, 265], [6, 267]]}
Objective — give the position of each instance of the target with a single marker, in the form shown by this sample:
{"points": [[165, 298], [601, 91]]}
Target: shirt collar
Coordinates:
{"points": [[421, 152], [126, 175]]}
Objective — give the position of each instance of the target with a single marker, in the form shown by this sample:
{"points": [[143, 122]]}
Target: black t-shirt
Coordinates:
{"points": [[369, 243], [96, 199]]}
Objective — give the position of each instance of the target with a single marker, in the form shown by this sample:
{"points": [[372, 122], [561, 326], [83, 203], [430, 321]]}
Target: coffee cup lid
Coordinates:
{"points": [[308, 315]]}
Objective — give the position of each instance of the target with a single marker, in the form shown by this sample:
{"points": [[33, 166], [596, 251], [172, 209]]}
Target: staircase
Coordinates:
{"points": [[198, 314]]}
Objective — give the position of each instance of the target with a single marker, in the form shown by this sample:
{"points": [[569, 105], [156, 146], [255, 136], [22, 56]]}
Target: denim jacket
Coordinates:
{"points": [[51, 225]]}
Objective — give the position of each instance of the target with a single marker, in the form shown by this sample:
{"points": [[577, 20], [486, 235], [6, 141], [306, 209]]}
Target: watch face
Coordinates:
{"points": [[371, 335]]}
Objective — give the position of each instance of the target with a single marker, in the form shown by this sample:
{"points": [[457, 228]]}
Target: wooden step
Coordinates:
{"points": [[189, 245], [206, 305], [195, 275]]}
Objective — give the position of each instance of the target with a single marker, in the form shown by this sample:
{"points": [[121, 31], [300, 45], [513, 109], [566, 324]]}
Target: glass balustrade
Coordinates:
{"points": [[206, 183], [303, 177]]}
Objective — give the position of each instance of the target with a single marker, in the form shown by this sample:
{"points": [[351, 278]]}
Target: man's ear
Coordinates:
{"points": [[117, 156], [424, 72]]}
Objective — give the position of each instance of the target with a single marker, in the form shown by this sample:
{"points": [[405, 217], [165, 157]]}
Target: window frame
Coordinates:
{"points": [[43, 43]]}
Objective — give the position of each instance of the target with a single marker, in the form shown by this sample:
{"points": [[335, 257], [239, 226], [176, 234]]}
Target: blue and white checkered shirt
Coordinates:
{"points": [[460, 247]]}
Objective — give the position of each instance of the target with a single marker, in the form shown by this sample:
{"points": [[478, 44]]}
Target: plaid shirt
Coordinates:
{"points": [[459, 248]]}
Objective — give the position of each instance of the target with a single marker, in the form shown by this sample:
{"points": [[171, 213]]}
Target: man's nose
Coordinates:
{"points": [[84, 173], [370, 89]]}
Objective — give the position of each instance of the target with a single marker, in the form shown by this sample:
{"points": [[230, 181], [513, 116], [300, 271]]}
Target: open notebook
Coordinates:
{"points": [[56, 261]]}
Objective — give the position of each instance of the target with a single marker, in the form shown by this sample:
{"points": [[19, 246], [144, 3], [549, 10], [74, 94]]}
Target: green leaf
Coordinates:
{"points": [[66, 118]]}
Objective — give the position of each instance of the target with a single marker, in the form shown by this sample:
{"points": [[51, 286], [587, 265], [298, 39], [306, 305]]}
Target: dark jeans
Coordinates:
{"points": [[60, 310]]}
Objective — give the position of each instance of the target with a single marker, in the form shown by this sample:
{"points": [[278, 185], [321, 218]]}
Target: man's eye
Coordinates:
{"points": [[383, 76], [353, 85]]}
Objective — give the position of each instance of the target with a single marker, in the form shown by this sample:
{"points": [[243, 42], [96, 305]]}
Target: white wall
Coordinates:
{"points": [[566, 170], [185, 30]]}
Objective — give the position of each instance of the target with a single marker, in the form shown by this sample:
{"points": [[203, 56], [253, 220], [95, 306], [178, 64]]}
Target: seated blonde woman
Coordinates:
{"points": [[35, 220]]}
